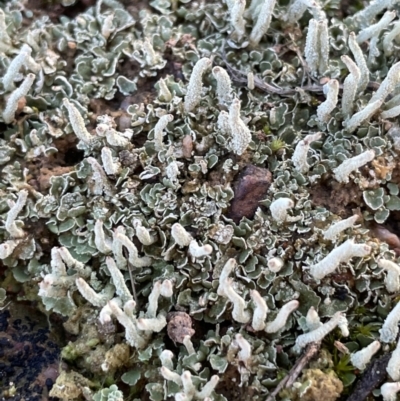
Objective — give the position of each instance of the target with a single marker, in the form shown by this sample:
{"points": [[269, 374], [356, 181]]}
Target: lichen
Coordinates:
{"points": [[158, 180]]}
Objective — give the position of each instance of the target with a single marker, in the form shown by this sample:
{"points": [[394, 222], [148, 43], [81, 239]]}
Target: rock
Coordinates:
{"points": [[250, 188], [179, 326], [384, 235]]}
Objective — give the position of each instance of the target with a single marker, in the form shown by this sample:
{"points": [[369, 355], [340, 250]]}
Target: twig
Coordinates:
{"points": [[240, 77], [294, 373], [131, 277], [371, 379]]}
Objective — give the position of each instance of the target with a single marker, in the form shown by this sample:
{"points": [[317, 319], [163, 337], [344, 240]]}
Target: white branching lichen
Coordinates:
{"points": [[279, 209], [375, 29], [389, 391], [99, 300], [189, 389], [151, 57], [167, 287], [78, 123], [244, 355], [153, 300], [263, 21], [391, 113], [137, 331], [198, 251], [260, 311], [107, 27], [373, 50], [169, 375], [110, 166], [393, 367], [350, 86], [237, 19], [317, 46], [106, 313], [133, 257], [392, 279], [338, 319], [239, 312], [360, 61], [118, 281], [335, 229], [135, 337], [343, 326], [312, 319], [143, 233], [159, 131], [164, 93], [225, 273], [180, 235], [253, 11], [323, 47], [311, 48], [223, 122], [72, 263], [14, 67], [275, 264], [15, 209], [361, 358], [57, 283], [388, 46], [341, 254], [365, 114], [17, 95], [155, 324], [118, 248], [343, 171], [5, 40], [102, 243], [193, 94], [250, 81], [241, 135], [300, 153], [324, 109], [374, 8], [390, 327], [173, 170], [99, 182], [388, 84], [184, 381], [187, 342], [166, 358], [7, 248], [225, 289], [224, 85], [280, 321], [297, 9]]}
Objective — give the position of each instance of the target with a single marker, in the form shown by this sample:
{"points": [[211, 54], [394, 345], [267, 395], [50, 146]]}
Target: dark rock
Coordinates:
{"points": [[250, 188], [29, 355]]}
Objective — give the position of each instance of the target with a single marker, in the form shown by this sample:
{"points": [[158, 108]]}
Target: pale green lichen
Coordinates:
{"points": [[117, 198]]}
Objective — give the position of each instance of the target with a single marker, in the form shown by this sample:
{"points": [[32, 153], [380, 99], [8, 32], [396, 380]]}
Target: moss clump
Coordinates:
{"points": [[314, 384], [324, 385]]}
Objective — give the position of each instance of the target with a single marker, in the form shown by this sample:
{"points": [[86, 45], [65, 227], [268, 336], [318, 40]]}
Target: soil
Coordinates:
{"points": [[338, 198], [29, 353]]}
